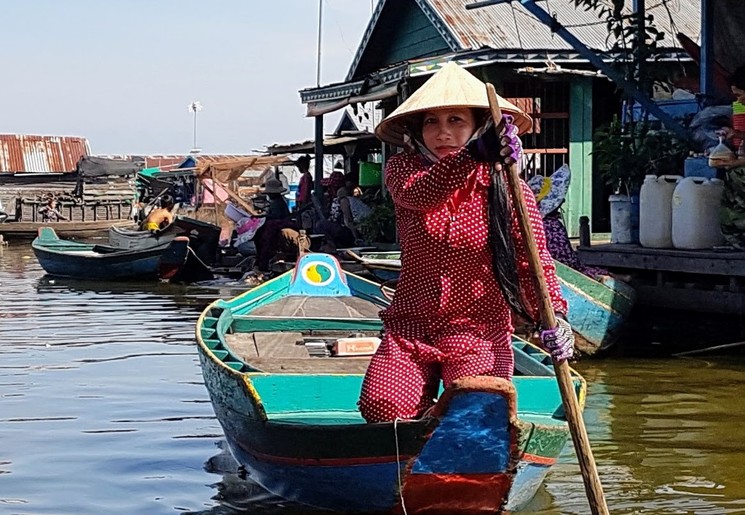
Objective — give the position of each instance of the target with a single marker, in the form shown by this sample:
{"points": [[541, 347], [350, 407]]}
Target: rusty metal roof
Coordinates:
{"points": [[509, 26], [30, 153]]}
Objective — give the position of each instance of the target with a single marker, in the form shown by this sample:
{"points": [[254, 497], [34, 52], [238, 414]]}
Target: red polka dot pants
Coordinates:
{"points": [[403, 377]]}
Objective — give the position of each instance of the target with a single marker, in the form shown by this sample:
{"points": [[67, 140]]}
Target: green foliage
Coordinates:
{"points": [[629, 46], [625, 153], [380, 225]]}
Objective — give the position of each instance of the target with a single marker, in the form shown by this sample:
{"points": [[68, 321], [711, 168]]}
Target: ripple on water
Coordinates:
{"points": [[103, 410]]}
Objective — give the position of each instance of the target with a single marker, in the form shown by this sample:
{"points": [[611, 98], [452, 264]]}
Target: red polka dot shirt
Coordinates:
{"points": [[446, 274]]}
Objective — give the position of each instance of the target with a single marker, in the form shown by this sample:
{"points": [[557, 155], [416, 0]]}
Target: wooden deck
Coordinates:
{"points": [[710, 281], [286, 351]]}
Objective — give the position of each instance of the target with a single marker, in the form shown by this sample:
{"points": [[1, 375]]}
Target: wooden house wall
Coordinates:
{"points": [[106, 198], [401, 35]]}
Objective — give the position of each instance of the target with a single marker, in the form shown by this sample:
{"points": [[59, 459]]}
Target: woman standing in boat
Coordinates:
{"points": [[464, 266]]}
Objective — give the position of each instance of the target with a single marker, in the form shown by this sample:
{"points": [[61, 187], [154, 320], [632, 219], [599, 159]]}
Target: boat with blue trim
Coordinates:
{"points": [[283, 364]]}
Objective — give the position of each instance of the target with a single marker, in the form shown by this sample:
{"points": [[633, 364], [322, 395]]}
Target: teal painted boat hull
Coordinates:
{"points": [[301, 436], [598, 311]]}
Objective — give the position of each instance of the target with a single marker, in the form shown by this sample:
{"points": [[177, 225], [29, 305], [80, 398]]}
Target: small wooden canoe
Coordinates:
{"points": [[67, 258], [203, 240], [598, 311], [288, 406]]}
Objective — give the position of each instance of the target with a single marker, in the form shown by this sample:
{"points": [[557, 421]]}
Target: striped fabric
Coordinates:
{"points": [[738, 120]]}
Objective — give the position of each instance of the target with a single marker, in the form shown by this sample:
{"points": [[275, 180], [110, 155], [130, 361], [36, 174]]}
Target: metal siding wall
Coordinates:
{"points": [[30, 153]]}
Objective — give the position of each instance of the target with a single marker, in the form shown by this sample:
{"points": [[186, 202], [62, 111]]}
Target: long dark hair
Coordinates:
{"points": [[504, 262]]}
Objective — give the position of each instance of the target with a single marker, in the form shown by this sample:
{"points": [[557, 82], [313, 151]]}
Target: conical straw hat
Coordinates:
{"points": [[451, 86]]}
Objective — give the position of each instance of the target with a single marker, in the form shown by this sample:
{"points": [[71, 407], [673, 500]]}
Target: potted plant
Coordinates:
{"points": [[624, 153]]}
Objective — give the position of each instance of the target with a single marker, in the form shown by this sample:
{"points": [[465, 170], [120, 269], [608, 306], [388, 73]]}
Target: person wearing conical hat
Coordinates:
{"points": [[550, 193], [464, 265], [279, 233]]}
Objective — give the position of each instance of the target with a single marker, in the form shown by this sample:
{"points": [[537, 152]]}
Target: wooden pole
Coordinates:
{"points": [[593, 487], [710, 349], [233, 196]]}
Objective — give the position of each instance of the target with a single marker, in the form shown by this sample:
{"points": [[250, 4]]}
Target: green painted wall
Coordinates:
{"points": [[402, 33], [579, 198]]}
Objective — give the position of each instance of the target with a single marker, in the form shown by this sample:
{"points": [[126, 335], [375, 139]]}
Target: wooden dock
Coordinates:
{"points": [[705, 281]]}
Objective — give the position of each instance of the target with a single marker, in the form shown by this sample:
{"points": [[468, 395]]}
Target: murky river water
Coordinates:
{"points": [[103, 410]]}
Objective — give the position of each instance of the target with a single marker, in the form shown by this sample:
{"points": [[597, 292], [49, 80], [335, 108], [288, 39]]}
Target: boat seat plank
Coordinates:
{"points": [[314, 307], [278, 352], [249, 323]]}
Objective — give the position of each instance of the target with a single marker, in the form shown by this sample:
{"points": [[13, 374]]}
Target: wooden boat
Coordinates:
{"points": [[288, 406], [67, 258], [134, 238], [598, 310], [203, 244]]}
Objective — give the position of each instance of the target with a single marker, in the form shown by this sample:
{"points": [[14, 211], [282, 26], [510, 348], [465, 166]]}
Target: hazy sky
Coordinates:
{"points": [[122, 72]]}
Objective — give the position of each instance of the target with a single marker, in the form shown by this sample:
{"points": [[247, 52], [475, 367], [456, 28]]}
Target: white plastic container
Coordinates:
{"points": [[622, 226], [656, 211], [696, 203]]}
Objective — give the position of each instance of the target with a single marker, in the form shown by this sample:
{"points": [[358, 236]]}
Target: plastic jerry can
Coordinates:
{"points": [[656, 211], [695, 209]]}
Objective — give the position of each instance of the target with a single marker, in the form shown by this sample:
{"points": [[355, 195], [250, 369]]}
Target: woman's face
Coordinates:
{"points": [[447, 130]]}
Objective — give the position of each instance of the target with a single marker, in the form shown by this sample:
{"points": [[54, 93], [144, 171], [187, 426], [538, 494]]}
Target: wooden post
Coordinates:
{"points": [[584, 232], [318, 149]]}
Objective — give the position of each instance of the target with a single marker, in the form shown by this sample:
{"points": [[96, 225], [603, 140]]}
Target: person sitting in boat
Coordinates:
{"points": [[50, 213], [346, 212], [464, 264], [160, 217], [550, 194], [279, 233]]}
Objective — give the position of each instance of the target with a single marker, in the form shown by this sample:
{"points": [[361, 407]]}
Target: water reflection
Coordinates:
{"points": [[103, 410], [238, 494], [669, 445]]}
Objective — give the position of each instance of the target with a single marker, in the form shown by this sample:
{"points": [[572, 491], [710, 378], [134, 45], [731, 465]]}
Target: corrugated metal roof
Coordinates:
{"points": [[509, 26], [31, 153], [506, 26]]}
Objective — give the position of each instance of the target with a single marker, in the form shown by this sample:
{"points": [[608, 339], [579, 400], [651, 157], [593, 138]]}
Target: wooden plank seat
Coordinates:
{"points": [[285, 352], [314, 307]]}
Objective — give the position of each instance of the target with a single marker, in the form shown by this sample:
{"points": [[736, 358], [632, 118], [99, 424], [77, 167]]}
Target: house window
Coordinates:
{"points": [[546, 147]]}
